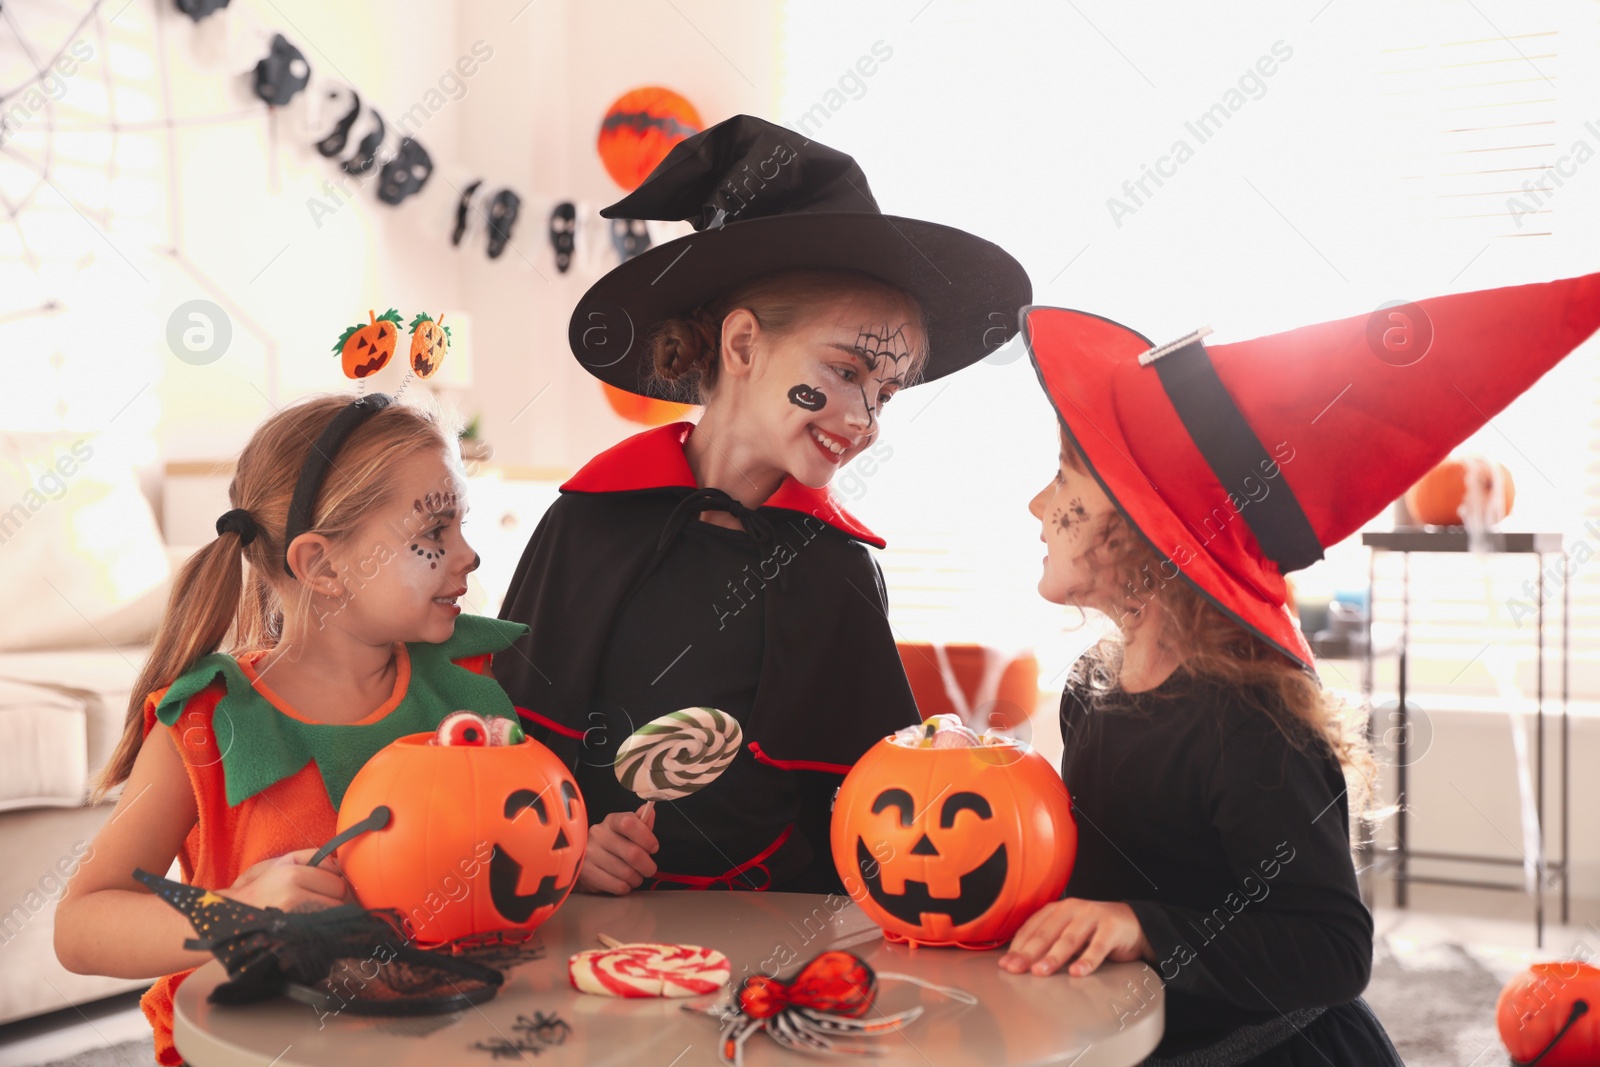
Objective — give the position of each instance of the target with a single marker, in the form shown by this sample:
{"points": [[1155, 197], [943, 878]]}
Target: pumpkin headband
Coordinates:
{"points": [[366, 348], [318, 463]]}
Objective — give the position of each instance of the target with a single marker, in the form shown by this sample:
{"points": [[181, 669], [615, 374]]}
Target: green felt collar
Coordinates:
{"points": [[260, 745]]}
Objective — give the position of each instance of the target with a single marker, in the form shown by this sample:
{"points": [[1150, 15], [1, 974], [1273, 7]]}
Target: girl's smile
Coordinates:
{"points": [[834, 376]]}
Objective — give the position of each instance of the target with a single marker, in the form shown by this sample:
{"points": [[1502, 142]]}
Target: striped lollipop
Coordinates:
{"points": [[680, 752], [648, 970]]}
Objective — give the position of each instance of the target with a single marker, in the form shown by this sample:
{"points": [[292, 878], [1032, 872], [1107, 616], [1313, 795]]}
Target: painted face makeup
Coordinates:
{"points": [[809, 397], [434, 505], [1068, 508], [886, 353], [1071, 519]]}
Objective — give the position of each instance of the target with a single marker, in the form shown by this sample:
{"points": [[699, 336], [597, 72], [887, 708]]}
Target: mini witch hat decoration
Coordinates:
{"points": [[1239, 463], [762, 199]]}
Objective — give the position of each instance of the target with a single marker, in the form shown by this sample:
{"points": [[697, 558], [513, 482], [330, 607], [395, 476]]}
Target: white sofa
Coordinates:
{"points": [[84, 573], [61, 714]]}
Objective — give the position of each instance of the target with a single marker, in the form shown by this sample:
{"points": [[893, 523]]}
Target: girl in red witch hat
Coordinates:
{"points": [[1209, 771], [702, 574]]}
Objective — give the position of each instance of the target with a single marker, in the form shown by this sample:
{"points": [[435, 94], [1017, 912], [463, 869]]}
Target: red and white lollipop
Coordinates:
{"points": [[647, 969]]}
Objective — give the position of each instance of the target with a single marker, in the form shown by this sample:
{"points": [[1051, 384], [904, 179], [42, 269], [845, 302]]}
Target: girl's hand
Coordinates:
{"points": [[1091, 930], [620, 847], [286, 882]]}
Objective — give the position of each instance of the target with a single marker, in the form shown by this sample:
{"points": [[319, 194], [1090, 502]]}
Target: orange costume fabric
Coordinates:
{"points": [[292, 814]]}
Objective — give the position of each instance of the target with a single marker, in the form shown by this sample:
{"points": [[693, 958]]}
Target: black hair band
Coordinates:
{"points": [[320, 461], [241, 522]]}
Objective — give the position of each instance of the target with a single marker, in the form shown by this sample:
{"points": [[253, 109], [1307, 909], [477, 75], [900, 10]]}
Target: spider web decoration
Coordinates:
{"points": [[91, 210]]}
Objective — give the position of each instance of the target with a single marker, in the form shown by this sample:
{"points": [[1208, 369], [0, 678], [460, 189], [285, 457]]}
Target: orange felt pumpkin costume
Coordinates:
{"points": [[294, 812]]}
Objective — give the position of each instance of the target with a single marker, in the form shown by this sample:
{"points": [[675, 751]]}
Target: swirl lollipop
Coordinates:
{"points": [[648, 970], [680, 752]]}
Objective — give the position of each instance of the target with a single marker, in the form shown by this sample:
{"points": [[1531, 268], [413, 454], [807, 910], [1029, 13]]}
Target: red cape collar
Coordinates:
{"points": [[654, 460]]}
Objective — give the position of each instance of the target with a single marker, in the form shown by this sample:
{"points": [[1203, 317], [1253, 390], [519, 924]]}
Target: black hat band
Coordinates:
{"points": [[1236, 456]]}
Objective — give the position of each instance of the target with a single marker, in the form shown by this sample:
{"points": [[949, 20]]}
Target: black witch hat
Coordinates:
{"points": [[764, 199]]}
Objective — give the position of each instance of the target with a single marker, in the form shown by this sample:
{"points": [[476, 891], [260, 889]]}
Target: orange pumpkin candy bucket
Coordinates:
{"points": [[481, 840], [953, 846], [1550, 1015]]}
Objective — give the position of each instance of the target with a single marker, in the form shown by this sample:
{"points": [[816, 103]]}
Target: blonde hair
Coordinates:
{"points": [[685, 349], [228, 586], [1212, 648]]}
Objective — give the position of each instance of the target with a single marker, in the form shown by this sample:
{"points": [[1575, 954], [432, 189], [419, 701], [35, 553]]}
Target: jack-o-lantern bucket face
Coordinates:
{"points": [[482, 839], [1551, 1013], [953, 846]]}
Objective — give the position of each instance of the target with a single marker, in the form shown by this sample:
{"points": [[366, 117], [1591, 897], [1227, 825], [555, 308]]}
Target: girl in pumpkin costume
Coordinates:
{"points": [[346, 636], [707, 564], [1209, 772]]}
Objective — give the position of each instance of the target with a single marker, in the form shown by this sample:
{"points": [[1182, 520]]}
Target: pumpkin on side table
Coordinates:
{"points": [[1437, 499]]}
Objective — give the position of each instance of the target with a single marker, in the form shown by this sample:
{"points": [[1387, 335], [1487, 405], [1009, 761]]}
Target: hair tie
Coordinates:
{"points": [[318, 463], [241, 522]]}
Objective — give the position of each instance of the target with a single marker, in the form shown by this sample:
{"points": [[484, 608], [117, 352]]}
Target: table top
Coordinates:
{"points": [[1454, 539], [1111, 1018]]}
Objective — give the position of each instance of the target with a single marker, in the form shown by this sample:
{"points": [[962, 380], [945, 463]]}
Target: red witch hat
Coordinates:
{"points": [[1239, 463]]}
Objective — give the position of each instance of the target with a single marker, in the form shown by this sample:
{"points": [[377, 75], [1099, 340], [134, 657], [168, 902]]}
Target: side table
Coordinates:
{"points": [[1454, 540]]}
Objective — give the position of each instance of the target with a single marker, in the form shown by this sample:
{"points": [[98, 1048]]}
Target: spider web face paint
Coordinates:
{"points": [[887, 356]]}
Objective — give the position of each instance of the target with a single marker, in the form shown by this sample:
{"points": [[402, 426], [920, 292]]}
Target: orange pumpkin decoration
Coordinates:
{"points": [[1436, 499], [430, 342], [1553, 1009], [645, 410], [953, 846], [367, 349], [482, 840], [639, 130]]}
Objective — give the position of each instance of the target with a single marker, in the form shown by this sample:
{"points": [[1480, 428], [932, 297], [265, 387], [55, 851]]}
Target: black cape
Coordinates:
{"points": [[831, 682]]}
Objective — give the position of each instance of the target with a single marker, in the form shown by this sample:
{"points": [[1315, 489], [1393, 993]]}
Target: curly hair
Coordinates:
{"points": [[1212, 648], [685, 349]]}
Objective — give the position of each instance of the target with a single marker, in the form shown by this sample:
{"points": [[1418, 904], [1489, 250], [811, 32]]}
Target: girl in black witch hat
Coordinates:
{"points": [[707, 566]]}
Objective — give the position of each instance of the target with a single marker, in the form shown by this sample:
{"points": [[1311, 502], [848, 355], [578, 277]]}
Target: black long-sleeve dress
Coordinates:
{"points": [[1231, 845], [637, 608]]}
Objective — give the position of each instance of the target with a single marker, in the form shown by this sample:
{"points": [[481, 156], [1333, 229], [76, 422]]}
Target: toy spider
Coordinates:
{"points": [[820, 1006]]}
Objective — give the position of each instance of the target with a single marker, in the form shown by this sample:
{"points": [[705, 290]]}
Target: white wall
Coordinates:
{"points": [[201, 193], [558, 66]]}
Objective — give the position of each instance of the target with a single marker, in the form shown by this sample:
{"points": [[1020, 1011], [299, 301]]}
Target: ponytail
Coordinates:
{"points": [[204, 603]]}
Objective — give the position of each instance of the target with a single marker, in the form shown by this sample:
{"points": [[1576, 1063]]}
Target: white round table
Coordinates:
{"points": [[1111, 1018]]}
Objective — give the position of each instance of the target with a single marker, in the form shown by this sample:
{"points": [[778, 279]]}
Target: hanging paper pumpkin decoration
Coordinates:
{"points": [[1437, 499], [430, 341], [1551, 1013], [644, 410], [953, 846], [640, 129], [483, 839], [367, 349]]}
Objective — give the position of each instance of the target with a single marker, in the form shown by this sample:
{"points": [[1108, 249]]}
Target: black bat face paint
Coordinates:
{"points": [[808, 397]]}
